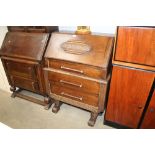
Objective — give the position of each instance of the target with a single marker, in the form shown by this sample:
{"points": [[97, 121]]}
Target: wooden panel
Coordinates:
{"points": [[136, 45], [129, 91], [74, 82], [38, 29], [149, 119], [25, 83], [98, 55], [21, 69], [77, 68], [74, 94], [24, 45]]}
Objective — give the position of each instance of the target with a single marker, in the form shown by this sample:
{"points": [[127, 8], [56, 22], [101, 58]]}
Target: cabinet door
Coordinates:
{"points": [[149, 118], [129, 91], [136, 45]]}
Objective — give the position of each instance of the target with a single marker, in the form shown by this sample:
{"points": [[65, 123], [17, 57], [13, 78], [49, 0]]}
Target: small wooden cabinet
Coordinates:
{"points": [[129, 91], [133, 78], [77, 71], [22, 57]]}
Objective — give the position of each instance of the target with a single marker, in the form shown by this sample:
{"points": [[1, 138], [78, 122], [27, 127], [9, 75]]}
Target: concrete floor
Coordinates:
{"points": [[21, 114]]}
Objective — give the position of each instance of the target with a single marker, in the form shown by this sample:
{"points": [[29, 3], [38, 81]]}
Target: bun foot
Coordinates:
{"points": [[92, 119], [56, 107]]}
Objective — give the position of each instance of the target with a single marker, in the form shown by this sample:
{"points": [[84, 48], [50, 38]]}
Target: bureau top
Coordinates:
{"points": [[24, 45], [92, 50]]}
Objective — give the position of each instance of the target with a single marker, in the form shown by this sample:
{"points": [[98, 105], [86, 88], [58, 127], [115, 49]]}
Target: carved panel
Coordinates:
{"points": [[76, 47]]}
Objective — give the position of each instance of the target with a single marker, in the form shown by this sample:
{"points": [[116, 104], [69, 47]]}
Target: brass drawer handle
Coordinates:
{"points": [[71, 69], [70, 83], [75, 97]]}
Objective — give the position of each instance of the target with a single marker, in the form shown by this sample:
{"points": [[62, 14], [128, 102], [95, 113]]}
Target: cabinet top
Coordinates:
{"points": [[29, 46], [135, 45], [92, 50]]}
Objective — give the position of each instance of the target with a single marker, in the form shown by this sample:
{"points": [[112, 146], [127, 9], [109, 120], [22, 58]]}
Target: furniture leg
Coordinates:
{"points": [[13, 89], [57, 106], [47, 102], [92, 119]]}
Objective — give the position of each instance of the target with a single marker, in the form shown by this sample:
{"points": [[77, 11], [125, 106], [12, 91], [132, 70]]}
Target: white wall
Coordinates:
{"points": [[3, 29], [3, 79], [98, 29]]}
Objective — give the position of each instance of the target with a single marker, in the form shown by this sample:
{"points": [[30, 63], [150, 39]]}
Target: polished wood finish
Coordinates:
{"points": [[137, 40], [72, 81], [75, 95], [101, 47], [149, 118], [73, 76], [25, 83], [136, 66], [132, 76], [22, 57], [77, 68], [129, 90], [24, 70], [30, 46], [35, 29]]}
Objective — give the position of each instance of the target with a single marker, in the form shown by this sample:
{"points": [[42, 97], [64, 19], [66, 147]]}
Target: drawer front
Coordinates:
{"points": [[74, 82], [74, 95], [21, 69], [25, 84], [77, 68]]}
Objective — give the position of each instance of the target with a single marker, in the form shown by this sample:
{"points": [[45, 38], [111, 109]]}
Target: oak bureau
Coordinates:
{"points": [[77, 71], [22, 54]]}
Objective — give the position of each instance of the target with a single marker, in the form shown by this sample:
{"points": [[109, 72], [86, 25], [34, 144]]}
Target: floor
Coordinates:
{"points": [[21, 114]]}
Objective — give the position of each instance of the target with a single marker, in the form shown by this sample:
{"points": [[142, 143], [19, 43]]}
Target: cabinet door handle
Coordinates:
{"points": [[71, 69], [70, 83], [68, 95], [140, 107]]}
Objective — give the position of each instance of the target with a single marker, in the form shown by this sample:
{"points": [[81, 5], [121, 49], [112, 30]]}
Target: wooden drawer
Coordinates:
{"points": [[74, 95], [80, 84], [25, 83], [21, 69], [80, 69]]}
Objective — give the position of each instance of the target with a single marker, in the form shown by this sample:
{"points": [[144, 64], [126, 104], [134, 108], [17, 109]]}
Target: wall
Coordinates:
{"points": [[3, 29], [3, 79], [98, 29]]}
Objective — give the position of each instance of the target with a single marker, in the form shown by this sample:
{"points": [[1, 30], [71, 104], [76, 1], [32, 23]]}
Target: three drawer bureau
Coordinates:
{"points": [[77, 71]]}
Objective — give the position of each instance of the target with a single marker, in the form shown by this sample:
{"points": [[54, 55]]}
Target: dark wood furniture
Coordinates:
{"points": [[22, 57], [34, 29], [77, 71], [130, 103]]}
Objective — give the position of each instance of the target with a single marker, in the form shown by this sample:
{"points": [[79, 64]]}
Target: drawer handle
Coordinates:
{"points": [[70, 83], [71, 69], [75, 97]]}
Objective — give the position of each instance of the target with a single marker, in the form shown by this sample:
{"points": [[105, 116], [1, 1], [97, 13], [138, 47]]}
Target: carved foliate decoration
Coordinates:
{"points": [[76, 47]]}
